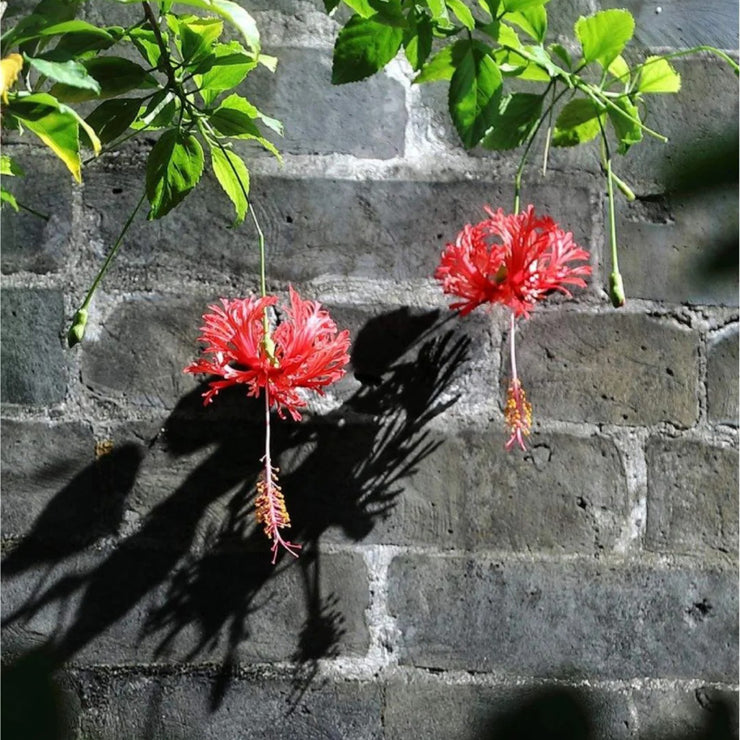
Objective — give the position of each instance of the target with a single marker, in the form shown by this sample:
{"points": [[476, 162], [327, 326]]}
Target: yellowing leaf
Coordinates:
{"points": [[10, 68]]}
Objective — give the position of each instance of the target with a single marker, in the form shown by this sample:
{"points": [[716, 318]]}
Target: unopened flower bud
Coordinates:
{"points": [[77, 331], [616, 290]]}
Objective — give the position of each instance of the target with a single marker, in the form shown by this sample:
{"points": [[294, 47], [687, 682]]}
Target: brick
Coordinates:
{"points": [[566, 495], [366, 119], [670, 247], [136, 605], [692, 497], [430, 707], [142, 350], [33, 361], [722, 383], [32, 243], [315, 226], [617, 367], [705, 712], [44, 480], [572, 619], [681, 23], [256, 706]]}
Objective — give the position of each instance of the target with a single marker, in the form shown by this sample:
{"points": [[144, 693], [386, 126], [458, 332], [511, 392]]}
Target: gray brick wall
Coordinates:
{"points": [[584, 589]]}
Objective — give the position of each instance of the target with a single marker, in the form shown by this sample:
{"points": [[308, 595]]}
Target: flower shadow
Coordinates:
{"points": [[198, 581], [343, 474]]}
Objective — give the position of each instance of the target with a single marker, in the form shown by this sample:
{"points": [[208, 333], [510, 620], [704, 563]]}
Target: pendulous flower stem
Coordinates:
{"points": [[616, 285], [79, 322]]}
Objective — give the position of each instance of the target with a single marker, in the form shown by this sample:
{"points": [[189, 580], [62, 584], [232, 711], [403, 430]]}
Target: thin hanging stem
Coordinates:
{"points": [[512, 347], [112, 252], [529, 141], [616, 284], [79, 322]]}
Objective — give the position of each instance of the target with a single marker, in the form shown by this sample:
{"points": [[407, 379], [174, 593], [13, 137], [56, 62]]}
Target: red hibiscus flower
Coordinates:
{"points": [[516, 260], [512, 259], [304, 352]]}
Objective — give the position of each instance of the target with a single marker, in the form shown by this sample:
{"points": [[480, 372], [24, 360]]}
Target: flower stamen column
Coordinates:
{"points": [[518, 411], [270, 502]]}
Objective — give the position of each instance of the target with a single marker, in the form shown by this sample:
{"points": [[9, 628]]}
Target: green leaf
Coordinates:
{"points": [[173, 169], [9, 198], [417, 42], [517, 116], [439, 11], [363, 47], [442, 65], [158, 113], [233, 176], [519, 5], [145, 40], [79, 45], [111, 118], [472, 96], [232, 64], [70, 73], [233, 118], [626, 123], [361, 7], [115, 75], [578, 122], [57, 29], [657, 76], [9, 167], [231, 12], [620, 69], [604, 35], [561, 53], [533, 21], [197, 37], [462, 12]]}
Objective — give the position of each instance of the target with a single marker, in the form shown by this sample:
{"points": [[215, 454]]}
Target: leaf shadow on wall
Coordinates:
{"points": [[199, 592]]}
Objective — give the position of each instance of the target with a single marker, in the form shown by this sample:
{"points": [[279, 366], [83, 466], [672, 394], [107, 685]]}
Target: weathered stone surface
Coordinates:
{"points": [[317, 227], [366, 119], [44, 463], [30, 242], [692, 502], [185, 707], [135, 605], [674, 248], [706, 712], [577, 619], [647, 368], [33, 362], [142, 349], [722, 381], [566, 495], [430, 707]]}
